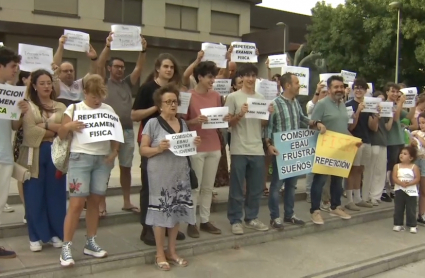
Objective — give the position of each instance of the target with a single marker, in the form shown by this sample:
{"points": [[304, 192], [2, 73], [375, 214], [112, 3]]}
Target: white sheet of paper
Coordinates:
{"points": [[9, 98], [76, 41], [303, 75], [184, 102], [35, 57], [216, 53], [126, 38], [369, 91], [101, 125], [215, 117], [277, 61], [182, 144], [350, 113], [410, 94], [386, 109], [410, 190], [348, 76], [1, 44], [244, 52], [324, 79], [267, 88], [371, 104], [258, 109], [222, 86]]}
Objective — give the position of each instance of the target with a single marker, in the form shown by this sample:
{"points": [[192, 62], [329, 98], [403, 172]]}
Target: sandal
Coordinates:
{"points": [[164, 266], [177, 261]]}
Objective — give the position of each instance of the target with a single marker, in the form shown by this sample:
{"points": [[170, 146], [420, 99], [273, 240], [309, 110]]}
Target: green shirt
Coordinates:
{"points": [[333, 115], [396, 133]]}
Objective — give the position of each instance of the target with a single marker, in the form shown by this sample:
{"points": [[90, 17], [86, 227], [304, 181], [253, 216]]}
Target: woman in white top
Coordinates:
{"points": [[89, 168]]}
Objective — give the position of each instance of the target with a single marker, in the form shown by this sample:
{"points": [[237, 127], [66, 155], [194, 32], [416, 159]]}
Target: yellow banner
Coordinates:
{"points": [[335, 153]]}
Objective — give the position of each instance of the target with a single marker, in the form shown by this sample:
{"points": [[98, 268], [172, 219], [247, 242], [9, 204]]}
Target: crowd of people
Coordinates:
{"points": [[385, 161]]}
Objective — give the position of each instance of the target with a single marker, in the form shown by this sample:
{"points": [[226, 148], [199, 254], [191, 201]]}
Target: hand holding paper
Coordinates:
{"points": [[197, 141]]}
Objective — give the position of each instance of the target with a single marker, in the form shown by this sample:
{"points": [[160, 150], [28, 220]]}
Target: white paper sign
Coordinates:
{"points": [[215, 53], [222, 86], [386, 109], [244, 52], [184, 102], [350, 113], [258, 109], [410, 94], [126, 38], [76, 41], [348, 76], [182, 144], [215, 117], [267, 88], [303, 75], [35, 57], [410, 190], [1, 44], [101, 125], [9, 98], [371, 104], [369, 91], [277, 61]]}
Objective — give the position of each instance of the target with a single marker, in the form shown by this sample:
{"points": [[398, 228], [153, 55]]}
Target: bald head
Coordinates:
{"points": [[67, 73], [232, 69]]}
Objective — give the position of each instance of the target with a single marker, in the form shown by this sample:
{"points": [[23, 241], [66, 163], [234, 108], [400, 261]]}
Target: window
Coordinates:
{"points": [[181, 17], [124, 11], [69, 7], [224, 23]]}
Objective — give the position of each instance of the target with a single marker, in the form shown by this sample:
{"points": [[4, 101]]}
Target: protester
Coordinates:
{"points": [[419, 141]]}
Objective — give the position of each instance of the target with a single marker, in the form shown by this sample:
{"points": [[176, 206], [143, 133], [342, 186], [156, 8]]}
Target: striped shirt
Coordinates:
{"points": [[287, 115]]}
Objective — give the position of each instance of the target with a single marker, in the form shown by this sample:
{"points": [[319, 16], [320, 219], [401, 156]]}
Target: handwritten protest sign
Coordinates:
{"points": [[386, 109], [335, 153], [371, 104], [410, 94], [267, 88], [277, 61], [303, 75], [101, 125], [182, 144], [258, 109], [244, 52], [222, 86], [184, 102], [35, 57], [348, 76], [126, 38], [296, 152], [76, 41], [215, 117], [350, 113], [10, 96], [410, 190], [215, 53]]}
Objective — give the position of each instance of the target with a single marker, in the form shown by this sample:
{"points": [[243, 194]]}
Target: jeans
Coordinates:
{"points": [[319, 181], [308, 182], [274, 195], [251, 168], [404, 202]]}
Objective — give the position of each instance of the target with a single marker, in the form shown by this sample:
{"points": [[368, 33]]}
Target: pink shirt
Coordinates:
{"points": [[209, 137]]}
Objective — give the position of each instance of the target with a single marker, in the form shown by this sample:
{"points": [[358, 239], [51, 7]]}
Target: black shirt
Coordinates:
{"points": [[144, 99], [362, 128]]}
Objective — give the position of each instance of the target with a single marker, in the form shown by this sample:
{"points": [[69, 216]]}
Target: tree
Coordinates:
{"points": [[360, 36]]}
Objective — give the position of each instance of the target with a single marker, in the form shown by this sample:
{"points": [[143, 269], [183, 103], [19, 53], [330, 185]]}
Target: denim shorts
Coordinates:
{"points": [[87, 174], [126, 153], [420, 162]]}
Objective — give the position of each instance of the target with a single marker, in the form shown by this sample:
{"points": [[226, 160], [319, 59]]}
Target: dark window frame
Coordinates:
{"points": [[181, 16], [122, 21], [59, 14]]}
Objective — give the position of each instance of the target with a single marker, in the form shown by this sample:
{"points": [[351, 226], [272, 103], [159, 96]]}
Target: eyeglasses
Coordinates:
{"points": [[118, 67], [170, 102]]}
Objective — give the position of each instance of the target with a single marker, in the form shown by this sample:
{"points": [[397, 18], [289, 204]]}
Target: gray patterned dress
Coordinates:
{"points": [[170, 197]]}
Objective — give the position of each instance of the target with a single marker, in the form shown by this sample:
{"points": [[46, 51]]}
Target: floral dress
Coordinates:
{"points": [[19, 137]]}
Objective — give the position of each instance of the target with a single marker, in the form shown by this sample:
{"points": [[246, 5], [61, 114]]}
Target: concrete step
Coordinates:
{"points": [[126, 250]]}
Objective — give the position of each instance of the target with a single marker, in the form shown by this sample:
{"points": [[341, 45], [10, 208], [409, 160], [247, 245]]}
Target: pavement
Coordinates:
{"points": [[414, 270]]}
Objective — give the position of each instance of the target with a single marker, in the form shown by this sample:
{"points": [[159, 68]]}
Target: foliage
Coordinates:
{"points": [[360, 36]]}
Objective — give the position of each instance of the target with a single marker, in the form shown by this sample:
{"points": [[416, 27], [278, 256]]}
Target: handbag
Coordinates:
{"points": [[192, 176], [20, 173], [61, 149]]}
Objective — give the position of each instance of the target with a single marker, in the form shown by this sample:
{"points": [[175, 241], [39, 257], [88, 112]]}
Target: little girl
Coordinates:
{"points": [[406, 176]]}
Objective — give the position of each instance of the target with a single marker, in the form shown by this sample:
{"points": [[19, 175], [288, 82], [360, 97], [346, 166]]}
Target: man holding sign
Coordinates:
{"points": [[287, 115]]}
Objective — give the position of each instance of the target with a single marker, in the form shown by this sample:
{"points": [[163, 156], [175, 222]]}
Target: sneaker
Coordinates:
{"points": [[340, 213], [308, 199], [192, 231], [66, 255], [35, 246], [398, 228], [352, 206], [8, 208], [276, 224], [317, 218], [56, 242], [294, 221], [392, 195], [344, 194], [325, 207], [24, 220], [6, 254], [256, 225], [209, 228], [237, 229], [413, 230], [420, 220], [92, 249], [374, 203], [364, 204], [386, 198]]}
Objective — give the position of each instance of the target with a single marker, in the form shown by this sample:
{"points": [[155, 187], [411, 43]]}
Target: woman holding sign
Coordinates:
{"points": [[44, 193], [170, 196]]}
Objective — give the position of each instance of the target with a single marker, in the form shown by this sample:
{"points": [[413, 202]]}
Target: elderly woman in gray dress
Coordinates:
{"points": [[170, 199]]}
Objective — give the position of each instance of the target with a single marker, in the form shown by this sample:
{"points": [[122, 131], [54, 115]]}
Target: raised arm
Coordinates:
{"points": [[135, 75], [189, 71], [104, 56], [57, 58]]}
